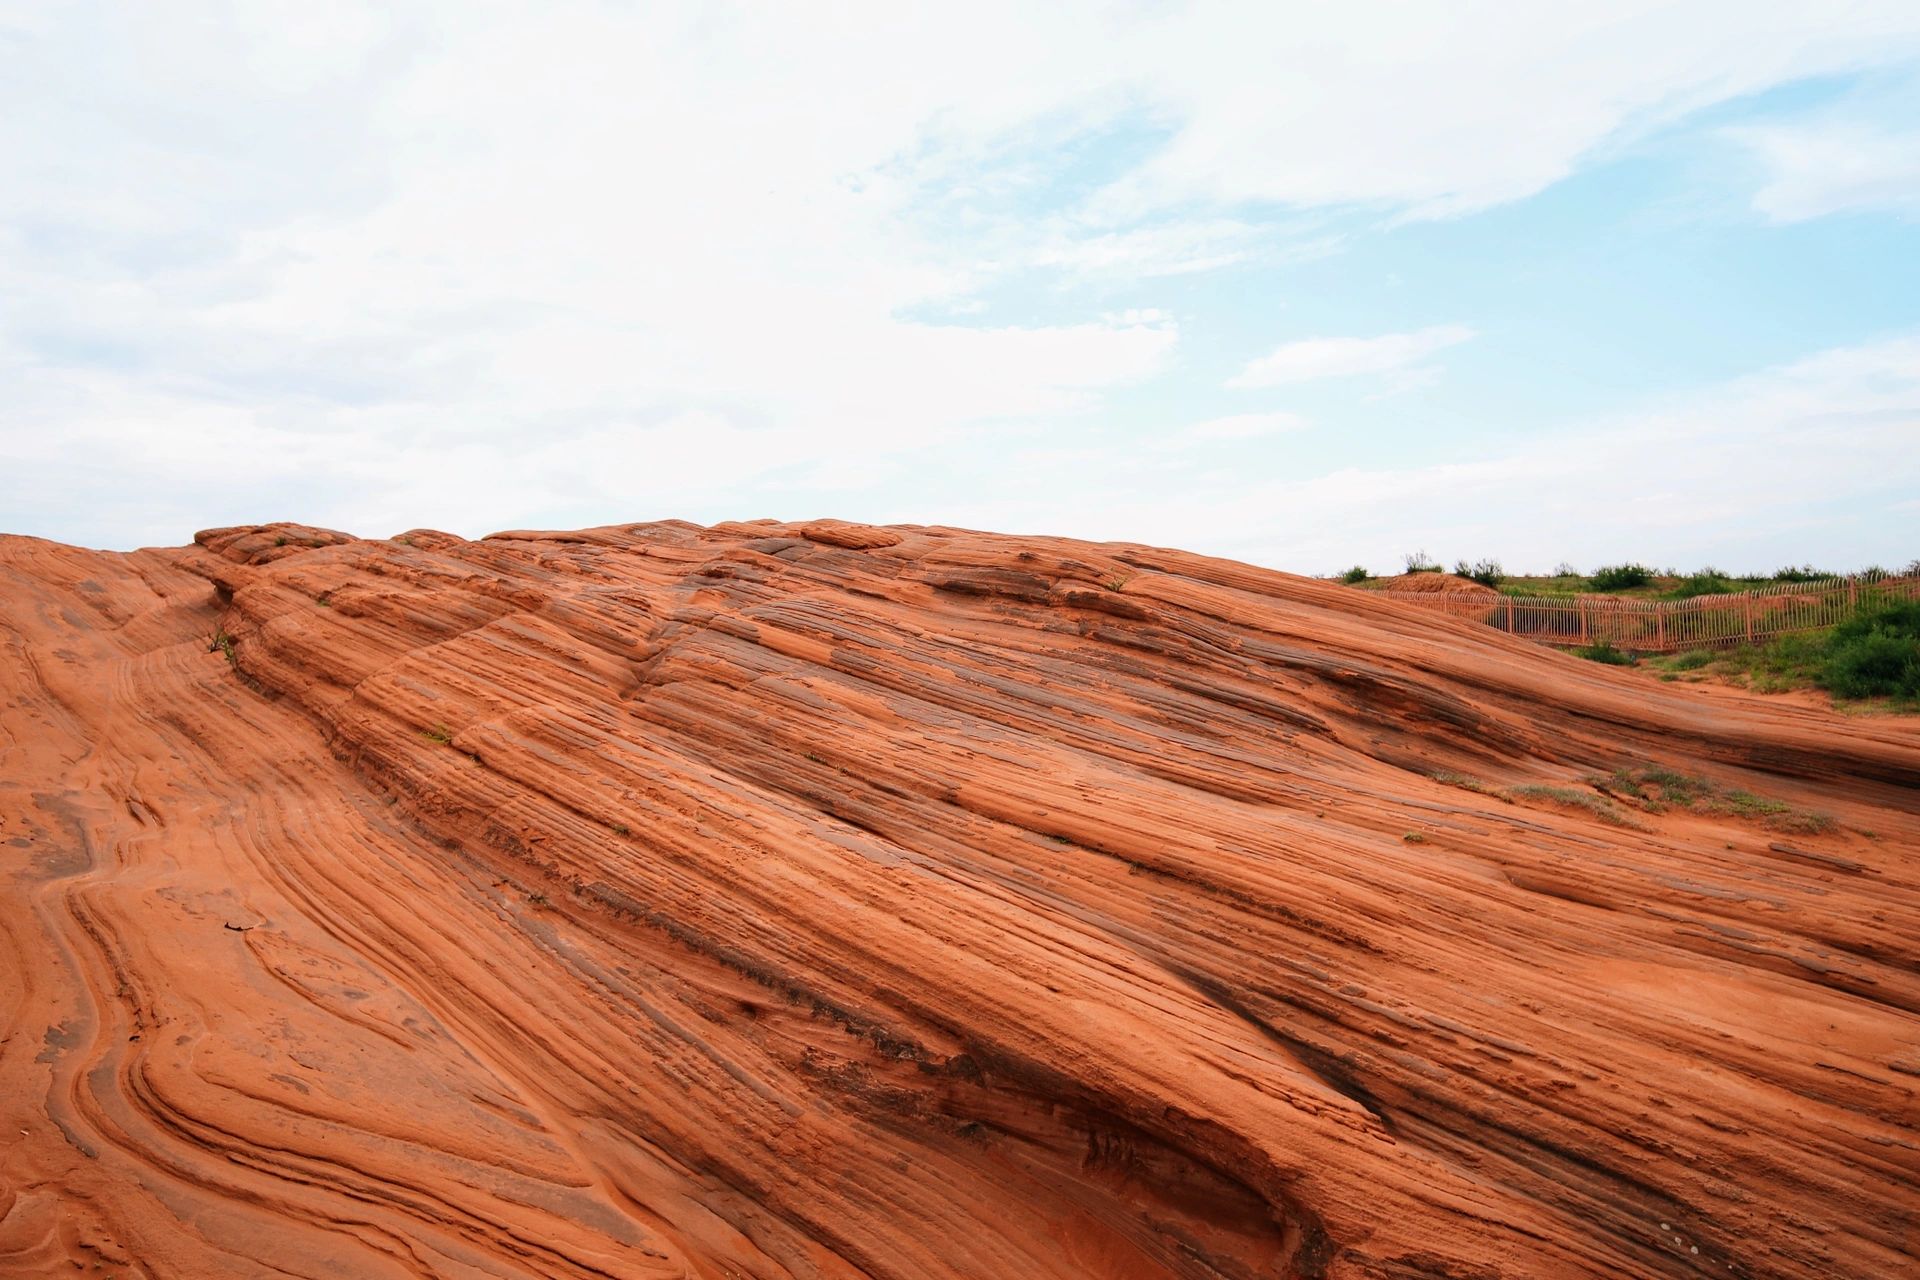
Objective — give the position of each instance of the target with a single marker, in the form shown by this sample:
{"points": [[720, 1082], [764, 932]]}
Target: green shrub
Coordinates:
{"points": [[1805, 573], [1355, 574], [1418, 562], [1898, 618], [1619, 577], [1707, 582], [1880, 664], [1487, 573], [1606, 653], [1875, 653]]}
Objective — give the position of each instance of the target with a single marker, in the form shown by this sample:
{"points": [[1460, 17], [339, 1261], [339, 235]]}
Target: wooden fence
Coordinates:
{"points": [[1669, 626]]}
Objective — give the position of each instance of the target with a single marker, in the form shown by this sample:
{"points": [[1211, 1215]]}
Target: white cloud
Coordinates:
{"points": [[1833, 166], [1171, 249], [1803, 461], [1242, 426], [1312, 358], [1440, 110]]}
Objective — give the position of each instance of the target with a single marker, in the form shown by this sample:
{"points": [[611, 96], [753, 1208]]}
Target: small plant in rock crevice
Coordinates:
{"points": [[1448, 778], [1659, 789], [1568, 798]]}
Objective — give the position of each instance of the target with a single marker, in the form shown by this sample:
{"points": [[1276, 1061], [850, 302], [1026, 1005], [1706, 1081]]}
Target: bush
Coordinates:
{"points": [[1805, 573], [1417, 562], [1707, 582], [1605, 652], [1565, 570], [1355, 574], [1875, 654], [1619, 577], [1900, 618], [1487, 573], [1878, 665]]}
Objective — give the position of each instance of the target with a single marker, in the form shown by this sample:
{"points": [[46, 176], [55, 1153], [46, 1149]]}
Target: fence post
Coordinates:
{"points": [[1583, 621], [1749, 604], [1660, 624], [1510, 630], [1853, 592]]}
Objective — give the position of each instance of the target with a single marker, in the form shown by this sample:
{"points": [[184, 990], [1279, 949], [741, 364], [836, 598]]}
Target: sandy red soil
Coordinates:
{"points": [[1436, 584], [823, 901]]}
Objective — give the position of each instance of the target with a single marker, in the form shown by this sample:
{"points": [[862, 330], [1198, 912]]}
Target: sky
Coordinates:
{"points": [[1304, 284]]}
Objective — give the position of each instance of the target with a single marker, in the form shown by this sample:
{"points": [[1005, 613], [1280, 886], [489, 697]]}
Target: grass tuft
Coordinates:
{"points": [[1568, 798], [1605, 653], [1450, 779], [1659, 789]]}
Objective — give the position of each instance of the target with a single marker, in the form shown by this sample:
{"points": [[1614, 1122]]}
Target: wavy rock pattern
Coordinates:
{"points": [[827, 901]]}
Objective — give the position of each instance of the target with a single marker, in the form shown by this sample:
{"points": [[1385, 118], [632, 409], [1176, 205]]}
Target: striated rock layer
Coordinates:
{"points": [[828, 901]]}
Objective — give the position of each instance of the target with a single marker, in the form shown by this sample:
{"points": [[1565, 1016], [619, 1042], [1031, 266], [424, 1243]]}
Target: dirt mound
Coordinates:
{"points": [[816, 901], [1440, 584]]}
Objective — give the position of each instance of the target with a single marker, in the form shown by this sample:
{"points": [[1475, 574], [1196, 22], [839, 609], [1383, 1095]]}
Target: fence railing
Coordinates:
{"points": [[1668, 626]]}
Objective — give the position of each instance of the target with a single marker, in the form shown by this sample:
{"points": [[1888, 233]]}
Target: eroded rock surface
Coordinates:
{"points": [[827, 901]]}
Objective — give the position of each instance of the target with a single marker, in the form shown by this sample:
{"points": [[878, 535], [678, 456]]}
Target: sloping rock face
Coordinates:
{"points": [[823, 901]]}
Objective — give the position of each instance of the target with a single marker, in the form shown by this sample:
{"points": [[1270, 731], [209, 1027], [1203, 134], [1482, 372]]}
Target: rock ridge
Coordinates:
{"points": [[827, 900]]}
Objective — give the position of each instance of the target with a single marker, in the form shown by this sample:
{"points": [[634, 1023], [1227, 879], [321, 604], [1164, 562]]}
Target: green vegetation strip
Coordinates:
{"points": [[1874, 654], [1652, 789]]}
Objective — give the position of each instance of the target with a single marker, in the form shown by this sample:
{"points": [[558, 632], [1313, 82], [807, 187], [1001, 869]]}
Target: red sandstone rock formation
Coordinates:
{"points": [[824, 901]]}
